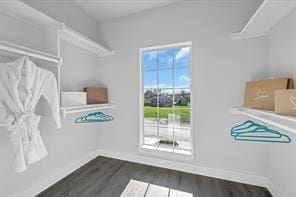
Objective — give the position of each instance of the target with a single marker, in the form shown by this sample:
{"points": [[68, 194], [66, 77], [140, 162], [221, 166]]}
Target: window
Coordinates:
{"points": [[166, 98]]}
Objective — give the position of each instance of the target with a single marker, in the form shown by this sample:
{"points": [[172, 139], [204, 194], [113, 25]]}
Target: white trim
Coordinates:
{"points": [[193, 125], [141, 98], [166, 46], [184, 155], [41, 185]]}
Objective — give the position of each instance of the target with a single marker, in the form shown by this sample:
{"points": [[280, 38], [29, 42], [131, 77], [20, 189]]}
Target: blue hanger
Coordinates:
{"points": [[245, 127], [94, 117], [281, 139], [250, 131], [258, 132]]}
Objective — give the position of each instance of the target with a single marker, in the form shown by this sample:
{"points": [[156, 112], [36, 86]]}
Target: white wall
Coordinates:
{"points": [[220, 69], [68, 13], [73, 141], [281, 161]]}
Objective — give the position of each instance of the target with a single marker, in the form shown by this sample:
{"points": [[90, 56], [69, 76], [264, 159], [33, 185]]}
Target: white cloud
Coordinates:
{"points": [[163, 85], [150, 86], [182, 53], [152, 55], [184, 78]]}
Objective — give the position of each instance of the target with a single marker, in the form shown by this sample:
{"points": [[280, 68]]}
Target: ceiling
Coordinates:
{"points": [[107, 9]]}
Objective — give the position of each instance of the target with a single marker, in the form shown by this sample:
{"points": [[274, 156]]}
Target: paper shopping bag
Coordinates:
{"points": [[260, 94], [285, 102]]}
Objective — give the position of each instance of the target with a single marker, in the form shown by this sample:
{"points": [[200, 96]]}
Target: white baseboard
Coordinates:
{"points": [[271, 188], [176, 165], [190, 168]]}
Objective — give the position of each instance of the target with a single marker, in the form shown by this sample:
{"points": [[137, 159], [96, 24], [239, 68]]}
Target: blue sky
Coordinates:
{"points": [[167, 58]]}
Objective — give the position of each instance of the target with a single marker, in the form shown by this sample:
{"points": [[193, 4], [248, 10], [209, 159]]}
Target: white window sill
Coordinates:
{"points": [[162, 152]]}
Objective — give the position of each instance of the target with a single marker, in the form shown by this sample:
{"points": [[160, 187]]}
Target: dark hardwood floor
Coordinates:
{"points": [[106, 177]]}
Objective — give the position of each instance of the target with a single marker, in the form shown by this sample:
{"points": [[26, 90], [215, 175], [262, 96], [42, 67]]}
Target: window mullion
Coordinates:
{"points": [[157, 97]]}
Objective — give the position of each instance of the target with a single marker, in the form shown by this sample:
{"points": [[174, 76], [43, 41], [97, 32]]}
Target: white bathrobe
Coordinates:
{"points": [[22, 84]]}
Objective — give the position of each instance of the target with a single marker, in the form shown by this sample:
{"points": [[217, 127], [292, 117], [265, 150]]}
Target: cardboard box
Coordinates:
{"points": [[285, 102], [260, 94], [291, 83], [96, 95], [70, 99]]}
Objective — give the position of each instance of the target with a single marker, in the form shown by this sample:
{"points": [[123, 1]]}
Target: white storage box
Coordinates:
{"points": [[70, 99]]}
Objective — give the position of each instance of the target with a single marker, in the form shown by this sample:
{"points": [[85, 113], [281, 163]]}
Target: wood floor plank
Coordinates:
{"points": [[106, 177], [81, 185], [135, 189], [120, 180], [156, 190], [98, 183], [177, 193]]}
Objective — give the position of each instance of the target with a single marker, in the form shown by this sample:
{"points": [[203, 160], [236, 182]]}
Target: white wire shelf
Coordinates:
{"points": [[85, 108], [266, 16], [287, 123], [84, 42]]}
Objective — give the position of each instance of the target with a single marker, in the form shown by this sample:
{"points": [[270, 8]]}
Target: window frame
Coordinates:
{"points": [[143, 147]]}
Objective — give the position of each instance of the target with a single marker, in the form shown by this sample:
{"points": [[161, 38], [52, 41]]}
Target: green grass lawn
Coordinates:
{"points": [[184, 112]]}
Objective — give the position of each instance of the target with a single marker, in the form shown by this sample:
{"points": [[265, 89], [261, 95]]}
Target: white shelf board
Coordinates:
{"points": [[287, 123], [14, 48], [84, 42], [86, 108], [25, 13], [266, 16]]}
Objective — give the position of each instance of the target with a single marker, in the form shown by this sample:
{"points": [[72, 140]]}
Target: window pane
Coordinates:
{"points": [[150, 98], [165, 98], [182, 137], [150, 79], [150, 60], [182, 56], [165, 122], [182, 78], [165, 58], [150, 125], [182, 98], [182, 128], [151, 140], [182, 123], [165, 78], [150, 117]]}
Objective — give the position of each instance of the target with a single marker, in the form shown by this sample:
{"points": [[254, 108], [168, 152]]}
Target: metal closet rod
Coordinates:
{"points": [[14, 48]]}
